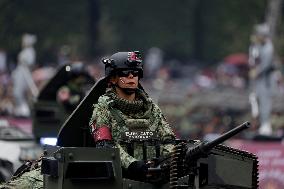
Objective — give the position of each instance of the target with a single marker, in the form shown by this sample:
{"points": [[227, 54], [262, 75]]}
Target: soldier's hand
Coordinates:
{"points": [[138, 170], [150, 164]]}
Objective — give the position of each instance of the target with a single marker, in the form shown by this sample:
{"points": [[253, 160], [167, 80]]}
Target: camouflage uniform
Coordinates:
{"points": [[121, 115], [28, 179]]}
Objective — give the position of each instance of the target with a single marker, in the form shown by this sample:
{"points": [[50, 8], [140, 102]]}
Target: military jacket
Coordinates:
{"points": [[122, 116]]}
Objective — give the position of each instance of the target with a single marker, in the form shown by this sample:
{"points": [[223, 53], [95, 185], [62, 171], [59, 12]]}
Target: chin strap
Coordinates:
{"points": [[128, 91]]}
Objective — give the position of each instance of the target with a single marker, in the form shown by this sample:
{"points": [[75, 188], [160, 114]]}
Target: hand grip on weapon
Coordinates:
{"points": [[142, 169], [138, 170], [153, 168]]}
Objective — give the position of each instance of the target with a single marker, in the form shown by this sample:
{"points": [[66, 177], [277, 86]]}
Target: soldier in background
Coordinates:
{"points": [[261, 66], [3, 61], [125, 114], [153, 62], [22, 78], [78, 82]]}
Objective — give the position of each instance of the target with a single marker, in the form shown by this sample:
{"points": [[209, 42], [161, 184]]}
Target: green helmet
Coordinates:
{"points": [[123, 60]]}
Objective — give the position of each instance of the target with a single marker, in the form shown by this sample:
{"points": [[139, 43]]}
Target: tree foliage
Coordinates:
{"points": [[184, 29], [55, 23]]}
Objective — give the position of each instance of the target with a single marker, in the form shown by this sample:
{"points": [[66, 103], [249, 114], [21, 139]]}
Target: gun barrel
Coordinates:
{"points": [[226, 136], [204, 148]]}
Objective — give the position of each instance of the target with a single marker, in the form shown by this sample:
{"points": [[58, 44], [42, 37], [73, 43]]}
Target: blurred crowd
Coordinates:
{"points": [[202, 102], [198, 101]]}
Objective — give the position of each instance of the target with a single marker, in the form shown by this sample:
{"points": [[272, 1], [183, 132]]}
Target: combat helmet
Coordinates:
{"points": [[123, 60]]}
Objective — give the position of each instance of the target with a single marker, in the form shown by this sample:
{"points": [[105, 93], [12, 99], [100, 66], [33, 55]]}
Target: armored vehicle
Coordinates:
{"points": [[76, 163], [48, 113]]}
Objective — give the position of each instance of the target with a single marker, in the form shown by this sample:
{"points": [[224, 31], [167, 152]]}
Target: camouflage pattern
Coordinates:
{"points": [[28, 180], [142, 114]]}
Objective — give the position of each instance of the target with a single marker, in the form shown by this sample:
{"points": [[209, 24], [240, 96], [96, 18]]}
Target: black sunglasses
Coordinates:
{"points": [[125, 73]]}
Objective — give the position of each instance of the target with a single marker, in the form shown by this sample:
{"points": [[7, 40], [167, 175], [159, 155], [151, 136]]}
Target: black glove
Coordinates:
{"points": [[137, 170]]}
